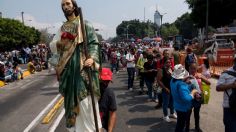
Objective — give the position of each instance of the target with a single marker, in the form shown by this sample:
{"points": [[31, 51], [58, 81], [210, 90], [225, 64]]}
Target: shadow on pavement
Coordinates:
{"points": [[50, 93], [163, 126], [131, 99], [145, 121], [141, 108]]}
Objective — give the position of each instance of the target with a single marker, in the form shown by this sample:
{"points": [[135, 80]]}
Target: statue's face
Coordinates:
{"points": [[67, 7]]}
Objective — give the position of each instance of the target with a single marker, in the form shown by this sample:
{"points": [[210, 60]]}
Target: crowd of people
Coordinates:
{"points": [[36, 59], [173, 86]]}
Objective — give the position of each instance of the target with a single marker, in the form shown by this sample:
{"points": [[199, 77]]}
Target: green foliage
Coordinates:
{"points": [[186, 26], [14, 34], [136, 29], [169, 30], [221, 12], [115, 39], [45, 37]]}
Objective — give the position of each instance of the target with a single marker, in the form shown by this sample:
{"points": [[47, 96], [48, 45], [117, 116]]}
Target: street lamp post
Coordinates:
{"points": [[22, 16], [127, 29]]}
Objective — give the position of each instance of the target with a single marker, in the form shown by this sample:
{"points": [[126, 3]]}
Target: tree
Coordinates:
{"points": [[186, 26], [221, 12], [136, 29], [45, 37], [168, 30], [13, 34]]}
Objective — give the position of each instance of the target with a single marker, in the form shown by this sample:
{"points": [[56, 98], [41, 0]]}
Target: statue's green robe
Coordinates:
{"points": [[73, 81]]}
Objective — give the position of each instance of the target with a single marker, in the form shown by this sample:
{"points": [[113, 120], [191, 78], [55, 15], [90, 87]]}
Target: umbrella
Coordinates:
{"points": [[158, 39], [132, 39], [139, 40], [147, 39]]}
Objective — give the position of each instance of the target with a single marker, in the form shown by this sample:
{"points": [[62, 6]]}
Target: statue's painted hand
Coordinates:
{"points": [[89, 62]]}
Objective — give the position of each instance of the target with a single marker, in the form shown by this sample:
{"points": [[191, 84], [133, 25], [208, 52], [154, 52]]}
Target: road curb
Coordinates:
{"points": [[25, 74]]}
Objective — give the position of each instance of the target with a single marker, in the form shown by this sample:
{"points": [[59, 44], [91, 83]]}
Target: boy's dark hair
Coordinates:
{"points": [[150, 57]]}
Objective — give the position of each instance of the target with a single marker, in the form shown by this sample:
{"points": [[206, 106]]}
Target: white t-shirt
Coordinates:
{"points": [[226, 79], [130, 57]]}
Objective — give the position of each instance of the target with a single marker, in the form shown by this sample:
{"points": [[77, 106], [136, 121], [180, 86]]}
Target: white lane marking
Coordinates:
{"points": [[28, 83], [57, 121], [39, 117]]}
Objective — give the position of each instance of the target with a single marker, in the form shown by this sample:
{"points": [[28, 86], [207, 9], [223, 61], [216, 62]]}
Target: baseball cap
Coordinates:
{"points": [[106, 74]]}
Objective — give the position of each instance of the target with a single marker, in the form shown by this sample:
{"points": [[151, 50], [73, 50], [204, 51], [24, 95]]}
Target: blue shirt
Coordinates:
{"points": [[181, 95]]}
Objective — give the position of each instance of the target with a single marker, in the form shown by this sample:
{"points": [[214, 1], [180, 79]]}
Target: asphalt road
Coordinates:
{"points": [[23, 100], [135, 114]]}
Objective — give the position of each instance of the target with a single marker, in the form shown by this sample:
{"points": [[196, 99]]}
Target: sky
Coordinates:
{"points": [[105, 15]]}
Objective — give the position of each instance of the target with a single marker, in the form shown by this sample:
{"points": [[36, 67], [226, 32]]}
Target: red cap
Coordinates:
{"points": [[106, 74]]}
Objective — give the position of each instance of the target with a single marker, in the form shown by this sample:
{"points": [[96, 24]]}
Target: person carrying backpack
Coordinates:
{"points": [[227, 84], [190, 58]]}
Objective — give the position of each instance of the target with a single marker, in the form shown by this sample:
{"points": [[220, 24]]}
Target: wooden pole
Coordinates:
{"points": [[90, 88]]}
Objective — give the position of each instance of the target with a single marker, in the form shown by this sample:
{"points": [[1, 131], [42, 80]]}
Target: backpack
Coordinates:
{"points": [[190, 59], [232, 96]]}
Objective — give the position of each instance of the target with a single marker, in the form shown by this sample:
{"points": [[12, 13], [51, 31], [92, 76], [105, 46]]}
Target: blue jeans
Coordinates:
{"points": [[167, 102], [229, 120], [196, 117], [149, 84], [131, 72], [113, 66]]}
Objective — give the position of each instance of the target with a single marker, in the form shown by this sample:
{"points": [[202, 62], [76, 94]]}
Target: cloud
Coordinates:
{"points": [[31, 21], [53, 28], [105, 30]]}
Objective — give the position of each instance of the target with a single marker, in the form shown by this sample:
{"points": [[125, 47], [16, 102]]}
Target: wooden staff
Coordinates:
{"points": [[90, 88]]}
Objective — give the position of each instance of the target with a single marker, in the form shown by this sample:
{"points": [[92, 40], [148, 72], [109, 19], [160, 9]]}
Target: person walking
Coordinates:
{"points": [[227, 84], [164, 79], [190, 58], [130, 68], [196, 83], [150, 73], [140, 65], [182, 96], [160, 64], [107, 102]]}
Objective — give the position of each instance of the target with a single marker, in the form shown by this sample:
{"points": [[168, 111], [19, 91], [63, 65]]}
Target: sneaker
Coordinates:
{"points": [[173, 116], [158, 106], [166, 118], [117, 72], [130, 89]]}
